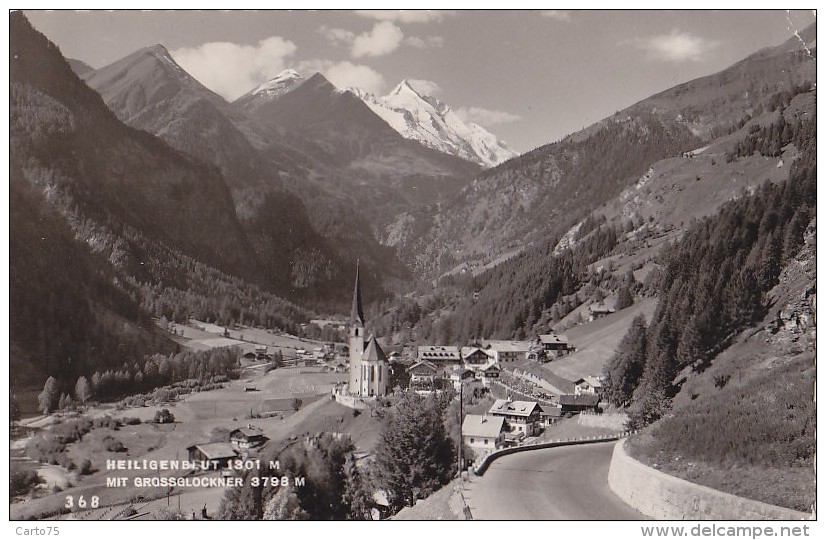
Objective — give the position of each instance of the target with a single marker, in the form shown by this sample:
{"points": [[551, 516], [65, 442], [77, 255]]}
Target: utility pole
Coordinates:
{"points": [[461, 387]]}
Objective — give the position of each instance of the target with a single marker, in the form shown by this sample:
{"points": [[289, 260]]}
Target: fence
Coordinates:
{"points": [[482, 463]]}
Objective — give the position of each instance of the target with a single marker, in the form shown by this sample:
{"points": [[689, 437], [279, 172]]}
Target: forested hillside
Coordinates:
{"points": [[713, 285], [542, 193], [109, 226]]}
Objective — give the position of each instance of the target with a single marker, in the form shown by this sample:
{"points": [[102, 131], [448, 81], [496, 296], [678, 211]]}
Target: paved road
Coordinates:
{"points": [[569, 482]]}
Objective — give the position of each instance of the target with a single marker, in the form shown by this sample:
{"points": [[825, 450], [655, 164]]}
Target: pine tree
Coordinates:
{"points": [[49, 397], [624, 298], [356, 494], [284, 505], [82, 389], [624, 369], [414, 456]]}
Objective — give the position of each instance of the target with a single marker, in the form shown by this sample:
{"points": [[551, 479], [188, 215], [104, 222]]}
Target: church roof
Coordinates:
{"points": [[357, 313], [373, 353]]}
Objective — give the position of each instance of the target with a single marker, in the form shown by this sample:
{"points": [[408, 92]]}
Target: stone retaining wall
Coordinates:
{"points": [[662, 496], [482, 465]]}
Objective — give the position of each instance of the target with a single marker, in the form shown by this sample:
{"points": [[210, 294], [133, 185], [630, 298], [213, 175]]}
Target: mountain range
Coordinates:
{"points": [[137, 194]]}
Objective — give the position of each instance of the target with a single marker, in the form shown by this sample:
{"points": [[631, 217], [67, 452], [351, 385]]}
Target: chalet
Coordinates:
{"points": [[578, 403], [246, 438], [554, 345], [261, 352], [483, 433], [588, 385], [521, 416], [439, 354], [218, 453], [508, 351], [493, 371], [461, 375], [474, 356], [550, 414], [596, 311], [338, 367], [422, 375]]}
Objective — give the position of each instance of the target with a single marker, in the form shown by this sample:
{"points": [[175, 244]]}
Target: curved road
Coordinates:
{"points": [[568, 482]]}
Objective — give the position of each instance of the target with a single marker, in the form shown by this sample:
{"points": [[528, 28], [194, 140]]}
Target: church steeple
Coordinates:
{"points": [[356, 313]]}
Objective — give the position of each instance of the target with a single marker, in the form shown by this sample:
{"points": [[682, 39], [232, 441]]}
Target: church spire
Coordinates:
{"points": [[356, 313]]}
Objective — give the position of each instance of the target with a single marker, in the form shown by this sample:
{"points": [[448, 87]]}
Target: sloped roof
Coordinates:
{"points": [[514, 408], [508, 346], [218, 450], [553, 339], [248, 431], [595, 382], [600, 308], [589, 400], [438, 351], [356, 312], [476, 425], [374, 352], [423, 363]]}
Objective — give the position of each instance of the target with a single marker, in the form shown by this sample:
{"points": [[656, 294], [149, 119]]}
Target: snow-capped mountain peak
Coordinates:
{"points": [[280, 84], [431, 122]]}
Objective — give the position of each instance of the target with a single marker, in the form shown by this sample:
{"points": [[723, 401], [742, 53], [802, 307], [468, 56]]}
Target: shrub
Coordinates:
{"points": [[131, 421], [22, 482], [164, 416], [85, 467], [113, 445]]}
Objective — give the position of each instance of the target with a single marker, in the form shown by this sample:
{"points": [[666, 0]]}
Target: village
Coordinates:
{"points": [[291, 390]]}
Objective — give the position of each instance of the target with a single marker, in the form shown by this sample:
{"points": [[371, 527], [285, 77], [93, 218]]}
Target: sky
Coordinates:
{"points": [[529, 76]]}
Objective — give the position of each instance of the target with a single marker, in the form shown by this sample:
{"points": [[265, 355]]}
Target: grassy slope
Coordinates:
{"points": [[754, 435], [596, 341]]}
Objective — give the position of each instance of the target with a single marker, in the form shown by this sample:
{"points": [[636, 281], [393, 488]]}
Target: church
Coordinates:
{"points": [[369, 368]]}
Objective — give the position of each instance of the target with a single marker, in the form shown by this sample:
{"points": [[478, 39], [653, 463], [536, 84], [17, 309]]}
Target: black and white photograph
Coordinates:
{"points": [[408, 264]]}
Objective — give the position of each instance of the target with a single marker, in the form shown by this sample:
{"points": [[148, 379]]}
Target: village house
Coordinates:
{"points": [[261, 352], [550, 414], [247, 438], [218, 453], [422, 375], [460, 375], [439, 354], [521, 416], [588, 385], [596, 311], [554, 345], [475, 356], [483, 434], [337, 367], [508, 351], [490, 372], [578, 403]]}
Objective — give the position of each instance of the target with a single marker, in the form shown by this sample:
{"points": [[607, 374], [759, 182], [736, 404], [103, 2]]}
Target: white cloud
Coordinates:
{"points": [[337, 36], [486, 117], [348, 75], [563, 15], [425, 87], [676, 46], [405, 16], [384, 38], [427, 42], [230, 69]]}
